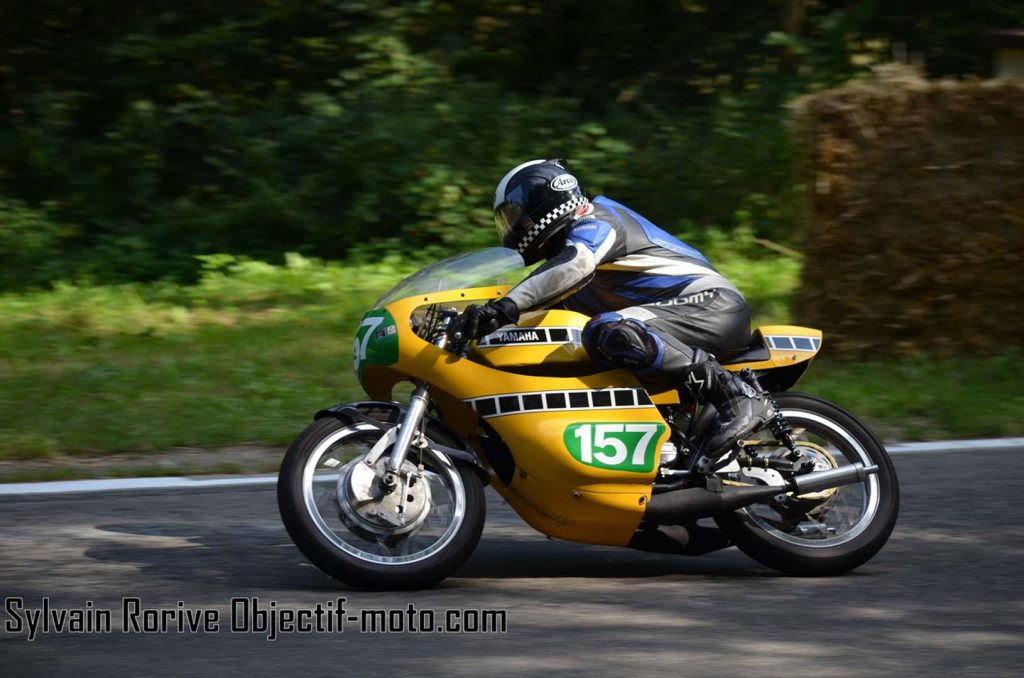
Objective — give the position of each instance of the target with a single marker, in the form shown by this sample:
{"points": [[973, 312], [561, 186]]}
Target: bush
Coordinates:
{"points": [[345, 129], [30, 245]]}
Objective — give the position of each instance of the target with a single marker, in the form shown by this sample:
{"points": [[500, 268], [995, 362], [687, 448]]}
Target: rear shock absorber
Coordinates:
{"points": [[778, 425]]}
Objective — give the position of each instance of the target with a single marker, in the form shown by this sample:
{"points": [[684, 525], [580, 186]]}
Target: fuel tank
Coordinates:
{"points": [[539, 338]]}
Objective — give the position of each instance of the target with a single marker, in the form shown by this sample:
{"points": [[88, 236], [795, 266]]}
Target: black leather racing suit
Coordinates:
{"points": [[618, 266]]}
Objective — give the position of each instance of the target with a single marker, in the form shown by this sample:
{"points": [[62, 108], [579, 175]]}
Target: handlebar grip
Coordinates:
{"points": [[455, 344]]}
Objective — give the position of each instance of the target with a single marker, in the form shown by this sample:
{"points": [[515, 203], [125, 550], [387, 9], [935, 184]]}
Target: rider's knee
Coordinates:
{"points": [[613, 341]]}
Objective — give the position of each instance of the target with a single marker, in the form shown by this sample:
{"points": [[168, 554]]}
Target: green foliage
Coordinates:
{"points": [[240, 356], [28, 239], [134, 137], [927, 398], [251, 350], [231, 290]]}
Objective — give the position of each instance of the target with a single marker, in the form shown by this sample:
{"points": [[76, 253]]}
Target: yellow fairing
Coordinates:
{"points": [[553, 491], [557, 427]]}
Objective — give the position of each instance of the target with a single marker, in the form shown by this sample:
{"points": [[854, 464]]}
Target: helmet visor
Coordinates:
{"points": [[506, 216]]}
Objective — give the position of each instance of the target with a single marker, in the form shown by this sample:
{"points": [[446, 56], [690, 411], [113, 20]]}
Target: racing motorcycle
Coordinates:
{"points": [[388, 495]]}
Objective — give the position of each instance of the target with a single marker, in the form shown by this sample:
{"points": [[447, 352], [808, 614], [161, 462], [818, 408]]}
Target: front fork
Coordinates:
{"points": [[406, 434]]}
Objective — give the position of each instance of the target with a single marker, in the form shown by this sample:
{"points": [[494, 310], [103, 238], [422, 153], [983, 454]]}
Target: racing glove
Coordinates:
{"points": [[478, 321]]}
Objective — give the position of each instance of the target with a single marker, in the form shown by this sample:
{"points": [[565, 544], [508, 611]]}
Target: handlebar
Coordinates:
{"points": [[452, 342]]}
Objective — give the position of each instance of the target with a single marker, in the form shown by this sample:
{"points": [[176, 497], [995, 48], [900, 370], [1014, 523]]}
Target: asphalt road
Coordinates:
{"points": [[945, 597]]}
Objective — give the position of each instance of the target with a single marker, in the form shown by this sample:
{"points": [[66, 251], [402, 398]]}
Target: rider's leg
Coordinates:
{"points": [[649, 340], [741, 409]]}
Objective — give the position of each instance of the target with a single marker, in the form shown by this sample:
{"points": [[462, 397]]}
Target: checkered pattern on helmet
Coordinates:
{"points": [[547, 220]]}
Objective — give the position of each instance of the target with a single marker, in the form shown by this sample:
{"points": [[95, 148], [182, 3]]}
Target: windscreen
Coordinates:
{"points": [[477, 268]]}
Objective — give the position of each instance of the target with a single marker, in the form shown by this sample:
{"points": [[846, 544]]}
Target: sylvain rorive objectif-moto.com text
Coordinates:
{"points": [[249, 615]]}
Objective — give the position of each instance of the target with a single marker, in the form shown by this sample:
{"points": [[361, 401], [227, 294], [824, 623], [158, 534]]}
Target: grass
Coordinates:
{"points": [[249, 353], [923, 399]]}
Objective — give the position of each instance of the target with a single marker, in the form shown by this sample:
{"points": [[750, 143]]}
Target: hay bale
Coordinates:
{"points": [[913, 224]]}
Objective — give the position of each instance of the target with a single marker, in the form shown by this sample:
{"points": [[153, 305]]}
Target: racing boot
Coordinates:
{"points": [[741, 408]]}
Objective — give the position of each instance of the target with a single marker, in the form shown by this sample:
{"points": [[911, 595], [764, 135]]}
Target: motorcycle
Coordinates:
{"points": [[388, 495]]}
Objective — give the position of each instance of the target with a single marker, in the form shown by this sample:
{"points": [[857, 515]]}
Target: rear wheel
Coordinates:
{"points": [[336, 510], [820, 533]]}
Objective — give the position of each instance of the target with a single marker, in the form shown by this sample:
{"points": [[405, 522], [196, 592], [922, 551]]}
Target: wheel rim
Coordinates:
{"points": [[332, 457], [839, 518]]}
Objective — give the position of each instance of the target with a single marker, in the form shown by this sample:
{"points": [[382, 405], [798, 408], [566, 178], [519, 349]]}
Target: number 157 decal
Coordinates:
{"points": [[623, 447]]}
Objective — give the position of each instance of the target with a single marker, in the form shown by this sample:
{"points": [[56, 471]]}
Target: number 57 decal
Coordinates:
{"points": [[376, 340], [623, 447], [362, 339]]}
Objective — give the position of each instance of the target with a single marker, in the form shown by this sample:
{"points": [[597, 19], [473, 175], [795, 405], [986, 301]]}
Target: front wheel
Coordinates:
{"points": [[820, 533], [338, 513]]}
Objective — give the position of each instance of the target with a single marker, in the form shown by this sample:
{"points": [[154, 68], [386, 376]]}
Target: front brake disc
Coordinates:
{"points": [[368, 509]]}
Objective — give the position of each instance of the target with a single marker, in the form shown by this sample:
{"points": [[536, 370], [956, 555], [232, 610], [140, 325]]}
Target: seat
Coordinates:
{"points": [[755, 352]]}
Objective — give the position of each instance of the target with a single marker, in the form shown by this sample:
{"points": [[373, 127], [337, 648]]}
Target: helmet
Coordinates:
{"points": [[533, 204]]}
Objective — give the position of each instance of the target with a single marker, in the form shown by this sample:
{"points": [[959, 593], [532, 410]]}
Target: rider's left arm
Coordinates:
{"points": [[588, 244]]}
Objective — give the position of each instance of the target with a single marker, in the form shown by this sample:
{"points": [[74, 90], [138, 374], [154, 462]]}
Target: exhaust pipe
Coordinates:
{"points": [[680, 506], [823, 480]]}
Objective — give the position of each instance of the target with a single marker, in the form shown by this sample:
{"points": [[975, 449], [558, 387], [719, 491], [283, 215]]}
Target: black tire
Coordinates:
{"points": [[352, 569], [768, 549]]}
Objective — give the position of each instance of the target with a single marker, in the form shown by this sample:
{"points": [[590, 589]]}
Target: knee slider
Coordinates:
{"points": [[614, 341]]}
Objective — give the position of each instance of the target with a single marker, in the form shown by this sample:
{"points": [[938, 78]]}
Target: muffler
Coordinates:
{"points": [[681, 506], [824, 480]]}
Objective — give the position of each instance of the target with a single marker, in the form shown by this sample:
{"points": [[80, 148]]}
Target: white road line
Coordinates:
{"points": [[115, 484], [174, 483], [955, 446]]}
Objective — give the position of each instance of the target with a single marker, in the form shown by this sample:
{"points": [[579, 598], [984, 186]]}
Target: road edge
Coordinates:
{"points": [[185, 482]]}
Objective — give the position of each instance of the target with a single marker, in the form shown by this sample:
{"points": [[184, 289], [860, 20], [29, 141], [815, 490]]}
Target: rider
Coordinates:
{"points": [[660, 309]]}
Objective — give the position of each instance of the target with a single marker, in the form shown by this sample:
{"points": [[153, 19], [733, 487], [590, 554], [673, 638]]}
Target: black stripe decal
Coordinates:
{"points": [[517, 403]]}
